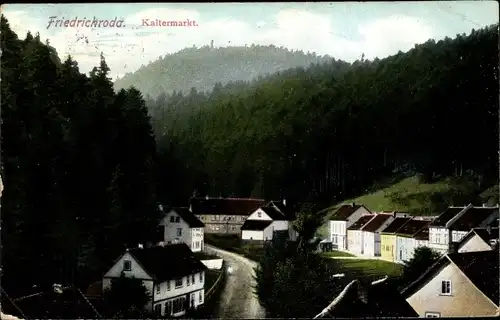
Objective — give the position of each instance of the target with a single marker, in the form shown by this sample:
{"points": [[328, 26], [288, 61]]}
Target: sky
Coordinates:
{"points": [[343, 30]]}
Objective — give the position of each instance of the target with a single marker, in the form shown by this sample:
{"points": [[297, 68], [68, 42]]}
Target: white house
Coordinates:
{"points": [[478, 239], [405, 239], [342, 219], [181, 225], [455, 222], [171, 273], [438, 233], [371, 234], [355, 235], [457, 285], [262, 224]]}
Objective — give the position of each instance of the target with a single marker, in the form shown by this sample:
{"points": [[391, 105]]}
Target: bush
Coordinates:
{"points": [[126, 298]]}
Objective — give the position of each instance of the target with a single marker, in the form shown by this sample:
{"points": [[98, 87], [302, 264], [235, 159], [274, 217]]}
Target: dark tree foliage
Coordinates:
{"points": [[294, 283], [126, 298], [77, 163], [422, 259], [336, 128]]}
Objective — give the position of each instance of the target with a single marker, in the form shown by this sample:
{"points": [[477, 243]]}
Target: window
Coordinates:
{"points": [[127, 265], [201, 276], [432, 315], [188, 280], [201, 296], [157, 289], [172, 219], [168, 285], [178, 283], [179, 232], [177, 219], [259, 214], [213, 218], [192, 278], [178, 305], [446, 287], [168, 308]]}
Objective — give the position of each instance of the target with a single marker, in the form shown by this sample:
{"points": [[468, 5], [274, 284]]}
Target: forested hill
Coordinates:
{"points": [[202, 68], [327, 135]]}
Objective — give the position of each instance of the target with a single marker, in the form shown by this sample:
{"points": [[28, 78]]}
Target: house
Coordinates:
{"points": [[388, 238], [455, 222], [371, 234], [422, 238], [405, 239], [474, 217], [342, 219], [355, 235], [438, 233], [457, 285], [181, 225], [263, 223], [172, 274], [380, 298], [224, 215], [478, 239]]}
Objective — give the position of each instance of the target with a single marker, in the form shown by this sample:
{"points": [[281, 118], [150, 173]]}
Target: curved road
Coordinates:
{"points": [[237, 299]]}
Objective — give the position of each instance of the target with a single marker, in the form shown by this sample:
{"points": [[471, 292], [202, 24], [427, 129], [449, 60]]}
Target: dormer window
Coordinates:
{"points": [[172, 219], [127, 265], [259, 214]]}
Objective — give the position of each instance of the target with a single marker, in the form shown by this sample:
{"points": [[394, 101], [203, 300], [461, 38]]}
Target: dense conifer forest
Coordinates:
{"points": [[85, 166], [326, 132]]}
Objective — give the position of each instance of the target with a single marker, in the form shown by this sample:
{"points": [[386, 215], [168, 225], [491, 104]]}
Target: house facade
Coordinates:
{"points": [[422, 238], [388, 243], [342, 219], [405, 239], [355, 235], [224, 215], [457, 285], [262, 224], [172, 275], [371, 234], [455, 222], [181, 225]]}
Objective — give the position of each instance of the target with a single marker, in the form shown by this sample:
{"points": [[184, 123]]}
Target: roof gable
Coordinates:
{"points": [[346, 210], [480, 268], [412, 227], [227, 206], [446, 216], [361, 222], [189, 218], [168, 262], [472, 218], [377, 222], [256, 225], [395, 225]]}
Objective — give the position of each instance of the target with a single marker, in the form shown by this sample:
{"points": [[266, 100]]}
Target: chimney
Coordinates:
{"points": [[140, 246], [206, 197], [353, 204], [284, 202]]}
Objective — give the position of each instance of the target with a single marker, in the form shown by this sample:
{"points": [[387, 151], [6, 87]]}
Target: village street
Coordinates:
{"points": [[237, 299]]}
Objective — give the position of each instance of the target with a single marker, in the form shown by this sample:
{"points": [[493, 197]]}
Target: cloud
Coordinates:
{"points": [[127, 48]]}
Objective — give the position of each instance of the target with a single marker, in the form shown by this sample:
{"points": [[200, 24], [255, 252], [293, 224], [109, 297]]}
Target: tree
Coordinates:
{"points": [[292, 283], [126, 298], [423, 259]]}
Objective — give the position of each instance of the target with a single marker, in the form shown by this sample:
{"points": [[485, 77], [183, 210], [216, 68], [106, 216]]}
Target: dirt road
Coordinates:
{"points": [[237, 299]]}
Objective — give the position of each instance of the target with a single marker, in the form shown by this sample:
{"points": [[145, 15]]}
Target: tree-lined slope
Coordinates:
{"points": [[327, 132], [202, 68]]}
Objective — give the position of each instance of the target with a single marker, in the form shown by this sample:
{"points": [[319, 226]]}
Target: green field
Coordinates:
{"points": [[337, 254], [371, 269], [234, 244]]}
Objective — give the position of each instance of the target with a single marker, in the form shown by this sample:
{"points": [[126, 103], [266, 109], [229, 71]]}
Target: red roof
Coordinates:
{"points": [[345, 211], [376, 222], [228, 206]]}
